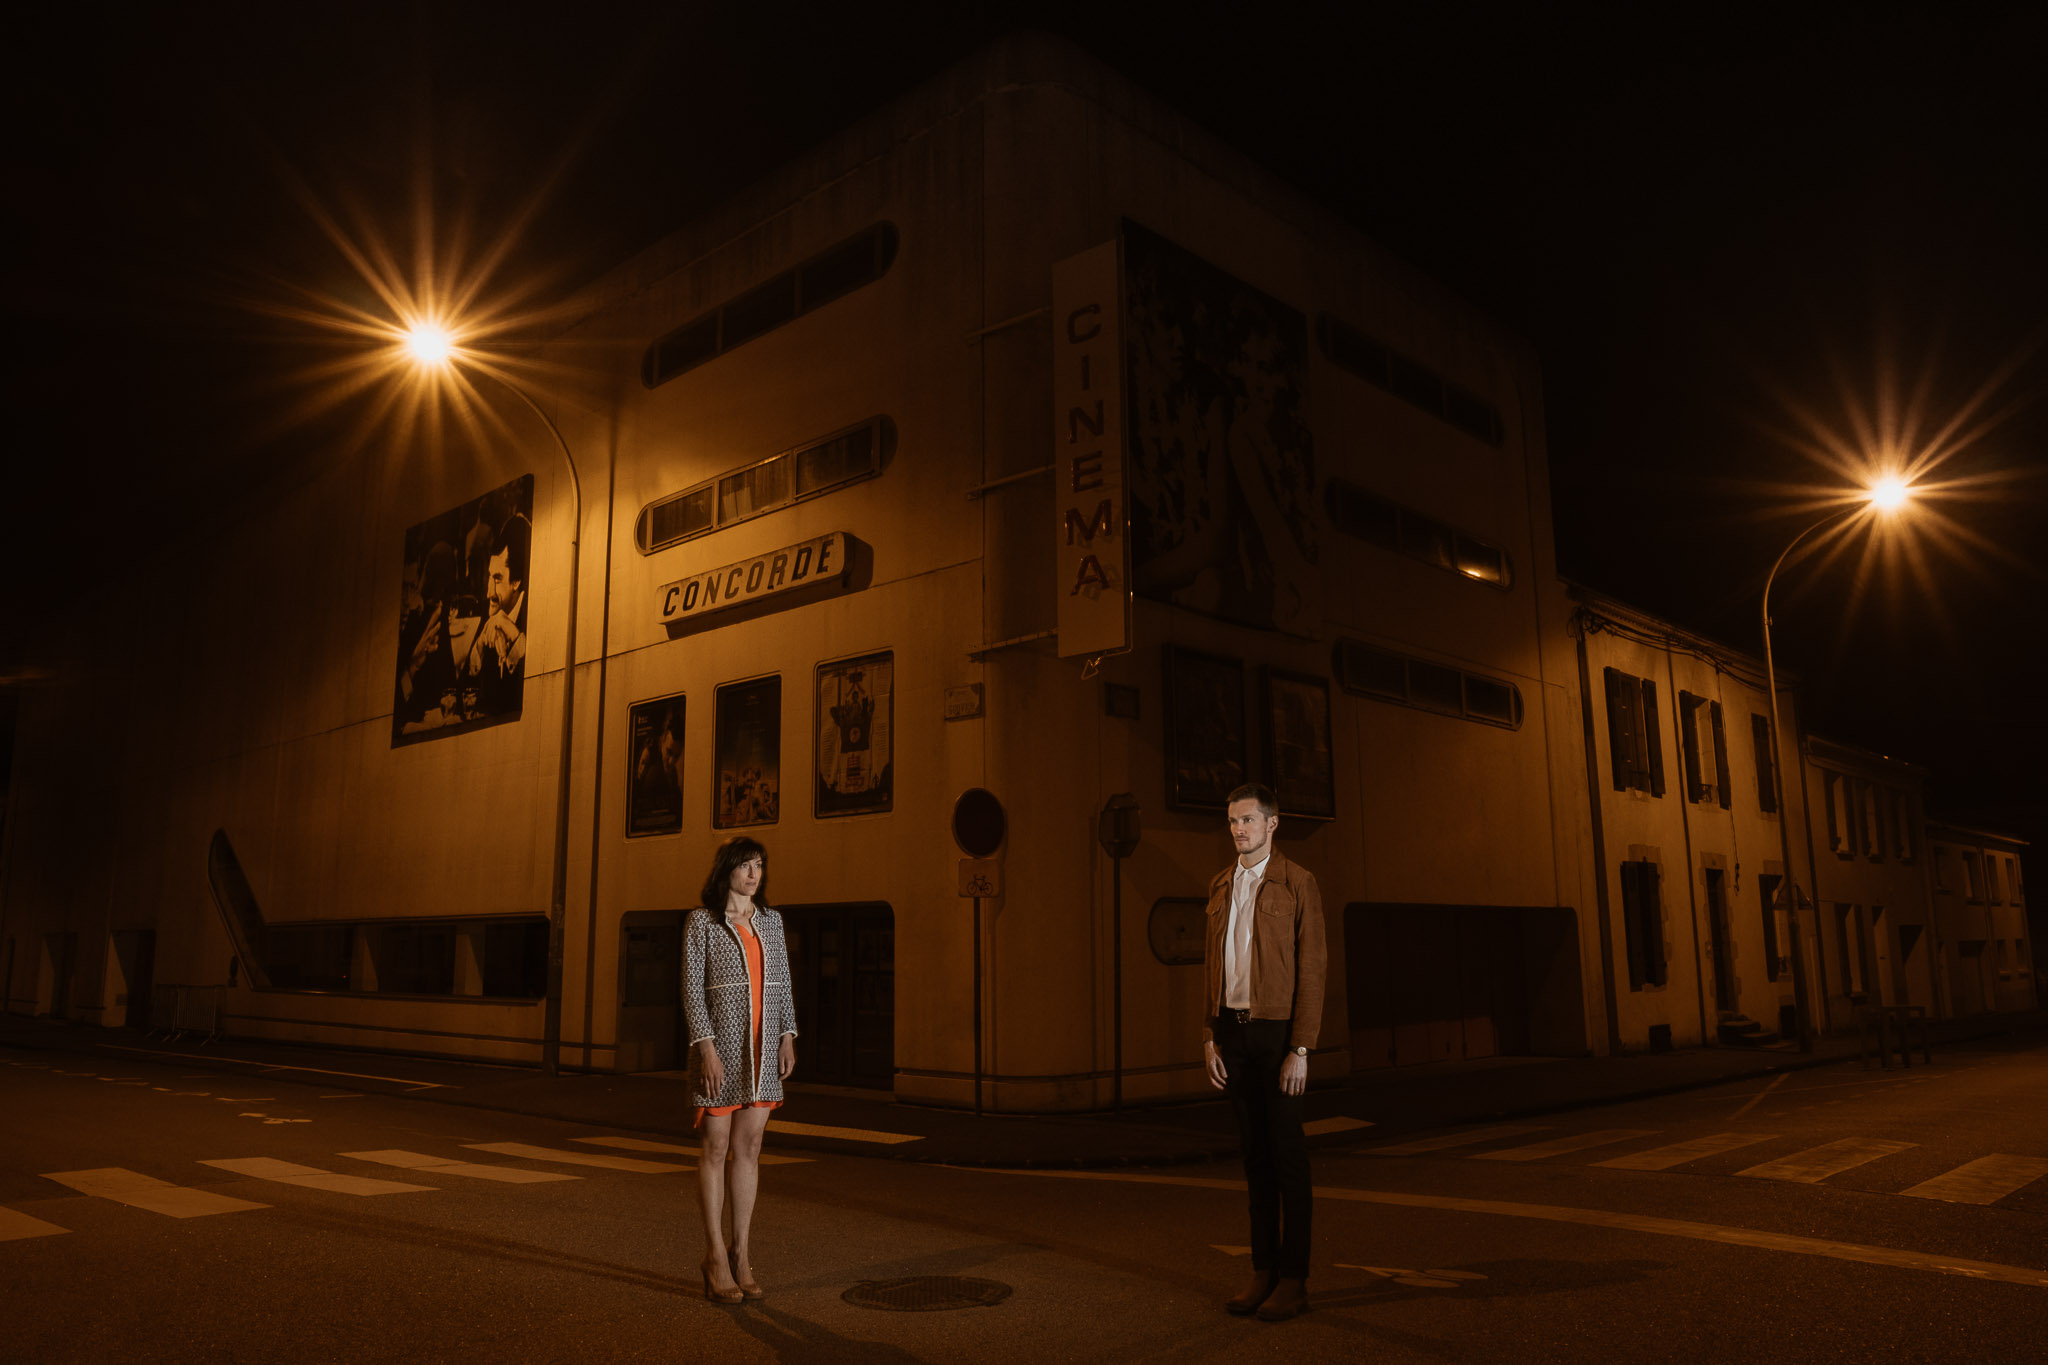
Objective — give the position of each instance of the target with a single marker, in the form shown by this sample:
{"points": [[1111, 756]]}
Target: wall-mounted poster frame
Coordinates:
{"points": [[855, 734], [1298, 761], [746, 764], [654, 767], [1205, 730]]}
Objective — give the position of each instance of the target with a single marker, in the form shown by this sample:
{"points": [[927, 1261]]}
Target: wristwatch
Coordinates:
{"points": [[1301, 1052]]}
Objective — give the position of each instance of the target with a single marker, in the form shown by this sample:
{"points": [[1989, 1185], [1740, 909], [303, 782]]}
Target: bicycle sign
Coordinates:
{"points": [[981, 877]]}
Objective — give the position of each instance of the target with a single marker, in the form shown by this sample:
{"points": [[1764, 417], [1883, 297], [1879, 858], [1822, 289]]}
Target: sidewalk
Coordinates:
{"points": [[1366, 1109]]}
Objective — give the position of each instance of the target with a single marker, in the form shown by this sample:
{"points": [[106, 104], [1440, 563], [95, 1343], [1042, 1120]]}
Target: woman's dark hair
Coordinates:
{"points": [[730, 855]]}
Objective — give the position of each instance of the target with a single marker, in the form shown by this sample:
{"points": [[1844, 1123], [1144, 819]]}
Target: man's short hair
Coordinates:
{"points": [[1269, 804], [515, 542]]}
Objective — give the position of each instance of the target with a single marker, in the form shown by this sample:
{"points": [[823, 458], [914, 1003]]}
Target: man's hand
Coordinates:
{"points": [[1294, 1074], [714, 1070], [786, 1057], [1217, 1074]]}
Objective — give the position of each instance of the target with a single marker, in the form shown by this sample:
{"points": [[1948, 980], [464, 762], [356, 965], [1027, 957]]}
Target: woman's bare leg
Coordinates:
{"points": [[712, 1163], [743, 1176]]}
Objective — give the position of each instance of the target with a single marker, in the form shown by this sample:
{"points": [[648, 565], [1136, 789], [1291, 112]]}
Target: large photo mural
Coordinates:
{"points": [[462, 616], [1222, 470]]}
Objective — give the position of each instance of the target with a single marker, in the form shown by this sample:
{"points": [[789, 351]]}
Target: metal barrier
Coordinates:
{"points": [[175, 1011], [1889, 1021]]}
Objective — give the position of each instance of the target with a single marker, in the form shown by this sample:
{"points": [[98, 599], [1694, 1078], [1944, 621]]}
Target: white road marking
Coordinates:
{"points": [[1417, 1279], [278, 1066], [1678, 1153], [1758, 1096], [15, 1225], [1231, 1251], [310, 1177], [1464, 1139], [1816, 1164], [1599, 1218], [1986, 1180], [1337, 1124], [420, 1161], [843, 1134], [627, 1144], [147, 1192], [1575, 1142], [610, 1163]]}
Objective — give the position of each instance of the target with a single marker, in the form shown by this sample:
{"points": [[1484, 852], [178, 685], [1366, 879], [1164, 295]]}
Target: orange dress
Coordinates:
{"points": [[752, 946]]}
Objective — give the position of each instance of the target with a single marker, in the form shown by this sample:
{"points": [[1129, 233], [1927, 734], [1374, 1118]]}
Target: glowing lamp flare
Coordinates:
{"points": [[1889, 492], [429, 344]]}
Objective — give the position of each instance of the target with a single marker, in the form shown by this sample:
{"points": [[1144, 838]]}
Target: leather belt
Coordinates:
{"points": [[1234, 1015]]}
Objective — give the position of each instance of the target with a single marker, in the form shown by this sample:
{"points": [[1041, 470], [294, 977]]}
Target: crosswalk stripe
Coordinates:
{"points": [[1464, 1139], [1339, 1123], [1816, 1164], [147, 1192], [1678, 1153], [627, 1144], [310, 1177], [610, 1163], [1986, 1180], [420, 1161], [1575, 1142], [843, 1134], [15, 1225]]}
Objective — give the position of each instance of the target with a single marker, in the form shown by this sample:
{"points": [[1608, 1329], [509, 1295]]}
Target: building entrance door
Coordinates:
{"points": [[842, 966], [1723, 942], [651, 991]]}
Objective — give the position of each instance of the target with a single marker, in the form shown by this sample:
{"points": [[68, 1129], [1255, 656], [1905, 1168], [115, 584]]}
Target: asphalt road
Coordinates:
{"points": [[1815, 1216]]}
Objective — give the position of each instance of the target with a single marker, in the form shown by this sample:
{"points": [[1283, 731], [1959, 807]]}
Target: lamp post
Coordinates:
{"points": [[433, 346], [1886, 495]]}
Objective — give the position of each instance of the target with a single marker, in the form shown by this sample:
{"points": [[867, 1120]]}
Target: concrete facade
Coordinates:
{"points": [[1989, 947]]}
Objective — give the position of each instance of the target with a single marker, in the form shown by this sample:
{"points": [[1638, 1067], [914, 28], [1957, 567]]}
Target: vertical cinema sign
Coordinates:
{"points": [[1093, 550]]}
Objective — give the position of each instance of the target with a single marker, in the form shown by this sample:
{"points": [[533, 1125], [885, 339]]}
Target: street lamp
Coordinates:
{"points": [[431, 345], [1887, 494]]}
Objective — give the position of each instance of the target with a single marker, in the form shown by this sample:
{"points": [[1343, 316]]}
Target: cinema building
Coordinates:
{"points": [[1022, 439]]}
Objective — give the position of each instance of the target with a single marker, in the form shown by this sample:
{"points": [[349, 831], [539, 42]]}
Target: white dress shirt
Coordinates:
{"points": [[1237, 939]]}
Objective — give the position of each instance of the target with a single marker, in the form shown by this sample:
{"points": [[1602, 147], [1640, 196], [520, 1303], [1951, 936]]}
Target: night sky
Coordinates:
{"points": [[1727, 242]]}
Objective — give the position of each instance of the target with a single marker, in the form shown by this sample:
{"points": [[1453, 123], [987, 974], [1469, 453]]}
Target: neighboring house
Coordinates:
{"points": [[1990, 949]]}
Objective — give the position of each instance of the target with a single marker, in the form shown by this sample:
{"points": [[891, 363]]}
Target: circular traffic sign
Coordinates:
{"points": [[978, 822]]}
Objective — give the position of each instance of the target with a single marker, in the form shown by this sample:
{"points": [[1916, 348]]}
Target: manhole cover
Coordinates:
{"points": [[927, 1293]]}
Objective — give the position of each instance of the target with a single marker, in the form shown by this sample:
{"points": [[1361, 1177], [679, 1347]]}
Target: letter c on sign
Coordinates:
{"points": [[668, 602], [1074, 324]]}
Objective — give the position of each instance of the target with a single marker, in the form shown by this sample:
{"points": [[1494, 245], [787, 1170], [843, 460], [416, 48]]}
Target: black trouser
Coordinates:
{"points": [[1269, 1126]]}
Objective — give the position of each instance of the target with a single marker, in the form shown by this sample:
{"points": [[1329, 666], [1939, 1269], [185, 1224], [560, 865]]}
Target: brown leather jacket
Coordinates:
{"points": [[1287, 948]]}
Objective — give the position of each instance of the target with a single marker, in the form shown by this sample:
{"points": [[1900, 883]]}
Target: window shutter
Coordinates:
{"points": [[1653, 924], [1720, 756], [1653, 742], [1766, 773], [1621, 747], [1632, 921], [1689, 744]]}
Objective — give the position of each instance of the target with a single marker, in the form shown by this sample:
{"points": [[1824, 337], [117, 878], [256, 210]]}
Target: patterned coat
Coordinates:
{"points": [[717, 997]]}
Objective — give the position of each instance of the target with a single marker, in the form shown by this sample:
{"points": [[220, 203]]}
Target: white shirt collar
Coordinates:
{"points": [[1257, 870]]}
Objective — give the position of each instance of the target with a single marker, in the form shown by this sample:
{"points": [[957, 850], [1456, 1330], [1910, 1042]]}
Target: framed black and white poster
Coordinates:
{"points": [[747, 754], [1297, 710], [855, 723], [654, 799], [1205, 731], [462, 616]]}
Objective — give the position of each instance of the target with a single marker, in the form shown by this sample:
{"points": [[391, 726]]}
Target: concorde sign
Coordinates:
{"points": [[808, 563]]}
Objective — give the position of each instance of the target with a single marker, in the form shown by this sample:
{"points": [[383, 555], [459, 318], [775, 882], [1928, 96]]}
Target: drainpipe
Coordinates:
{"points": [[1593, 794]]}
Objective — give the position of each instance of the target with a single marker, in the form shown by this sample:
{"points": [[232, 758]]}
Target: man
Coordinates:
{"points": [[497, 658], [1264, 964]]}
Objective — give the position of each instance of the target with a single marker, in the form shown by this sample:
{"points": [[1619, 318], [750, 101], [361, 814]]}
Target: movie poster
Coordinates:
{"points": [[747, 754], [1222, 479], [855, 720], [654, 803], [462, 616]]}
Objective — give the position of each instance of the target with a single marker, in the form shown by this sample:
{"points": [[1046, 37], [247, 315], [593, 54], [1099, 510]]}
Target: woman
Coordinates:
{"points": [[736, 993]]}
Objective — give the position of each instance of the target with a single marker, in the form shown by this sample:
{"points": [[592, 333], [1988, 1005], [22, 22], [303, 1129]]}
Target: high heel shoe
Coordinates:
{"points": [[749, 1289], [725, 1296]]}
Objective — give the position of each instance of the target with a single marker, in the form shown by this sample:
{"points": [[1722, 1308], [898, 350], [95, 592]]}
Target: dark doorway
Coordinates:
{"points": [[1722, 941], [842, 964], [135, 951], [53, 998], [650, 991]]}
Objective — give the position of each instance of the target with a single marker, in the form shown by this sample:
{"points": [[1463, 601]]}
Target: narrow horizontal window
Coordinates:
{"points": [[1383, 675], [750, 492], [1409, 379], [1366, 516], [834, 461], [833, 273]]}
